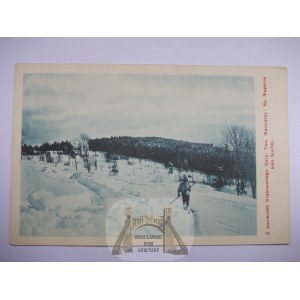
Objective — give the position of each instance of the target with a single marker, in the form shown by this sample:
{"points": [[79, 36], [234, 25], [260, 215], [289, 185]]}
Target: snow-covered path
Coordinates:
{"points": [[59, 201], [55, 201], [221, 214]]}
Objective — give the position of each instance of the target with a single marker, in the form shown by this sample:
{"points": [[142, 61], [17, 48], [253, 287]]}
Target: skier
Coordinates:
{"points": [[184, 190]]}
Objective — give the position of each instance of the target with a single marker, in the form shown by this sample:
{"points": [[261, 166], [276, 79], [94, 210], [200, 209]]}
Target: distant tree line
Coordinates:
{"points": [[183, 155], [232, 163], [64, 147]]}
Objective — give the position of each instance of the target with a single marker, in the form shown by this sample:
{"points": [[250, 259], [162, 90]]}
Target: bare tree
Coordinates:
{"points": [[84, 149], [250, 161], [81, 148], [74, 152], [242, 146], [235, 138]]}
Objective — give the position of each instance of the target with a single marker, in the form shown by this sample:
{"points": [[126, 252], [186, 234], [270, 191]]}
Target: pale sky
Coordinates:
{"points": [[192, 108]]}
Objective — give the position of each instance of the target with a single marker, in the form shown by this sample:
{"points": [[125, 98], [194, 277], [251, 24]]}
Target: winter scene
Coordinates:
{"points": [[99, 148]]}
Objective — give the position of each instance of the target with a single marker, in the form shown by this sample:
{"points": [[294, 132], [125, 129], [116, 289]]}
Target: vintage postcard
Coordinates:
{"points": [[150, 158]]}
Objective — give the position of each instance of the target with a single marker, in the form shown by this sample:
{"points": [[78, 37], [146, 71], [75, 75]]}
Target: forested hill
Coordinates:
{"points": [[182, 154], [234, 162]]}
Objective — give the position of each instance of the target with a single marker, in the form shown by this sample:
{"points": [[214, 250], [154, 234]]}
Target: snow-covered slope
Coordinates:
{"points": [[60, 201]]}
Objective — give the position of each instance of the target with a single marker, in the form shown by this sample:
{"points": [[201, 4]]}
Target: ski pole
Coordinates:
{"points": [[184, 192]]}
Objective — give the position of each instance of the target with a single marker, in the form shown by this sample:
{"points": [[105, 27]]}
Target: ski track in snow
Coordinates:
{"points": [[60, 201]]}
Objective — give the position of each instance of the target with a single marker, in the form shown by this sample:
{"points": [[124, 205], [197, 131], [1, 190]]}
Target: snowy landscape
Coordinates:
{"points": [[93, 144], [57, 200]]}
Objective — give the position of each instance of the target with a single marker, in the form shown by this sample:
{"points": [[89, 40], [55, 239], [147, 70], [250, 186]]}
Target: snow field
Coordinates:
{"points": [[60, 201]]}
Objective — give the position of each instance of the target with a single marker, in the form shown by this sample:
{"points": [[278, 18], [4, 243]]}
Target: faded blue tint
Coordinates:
{"points": [[193, 108]]}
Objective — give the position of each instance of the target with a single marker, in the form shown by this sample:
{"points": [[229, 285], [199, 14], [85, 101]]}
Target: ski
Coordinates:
{"points": [[191, 210]]}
